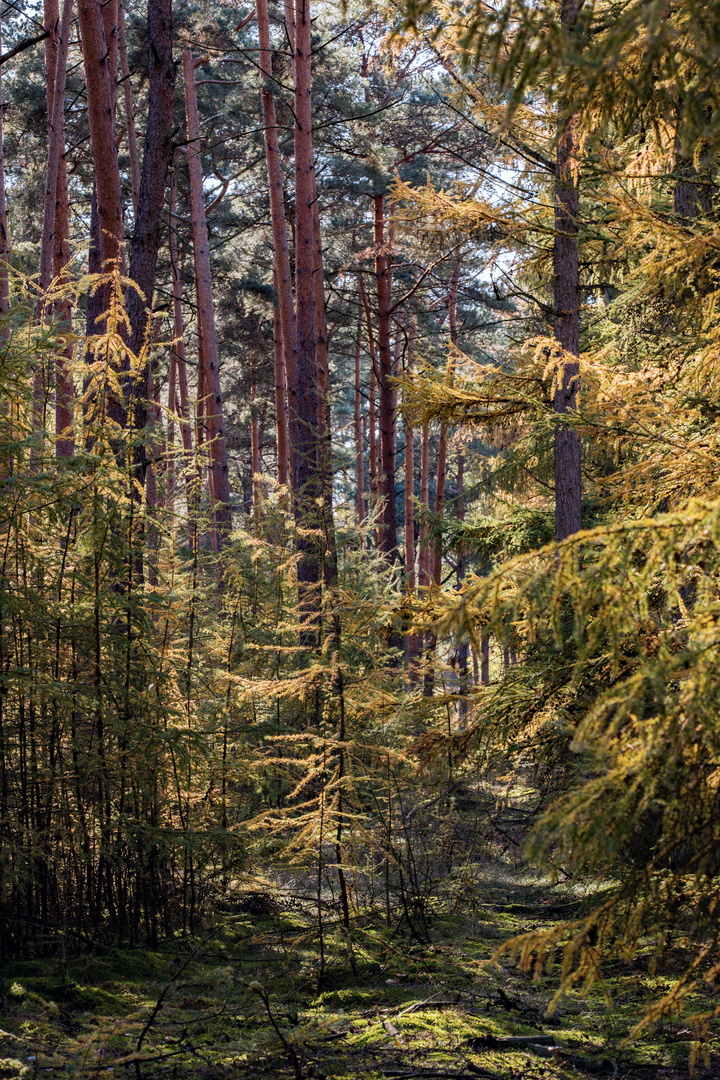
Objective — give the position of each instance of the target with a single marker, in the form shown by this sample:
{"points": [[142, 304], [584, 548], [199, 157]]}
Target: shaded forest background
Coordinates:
{"points": [[358, 475]]}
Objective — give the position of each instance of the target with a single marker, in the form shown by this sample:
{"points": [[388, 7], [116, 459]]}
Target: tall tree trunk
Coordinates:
{"points": [[4, 238], [56, 62], [57, 44], [424, 553], [413, 641], [409, 487], [280, 379], [423, 547], [255, 444], [170, 458], [206, 314], [148, 230], [322, 361], [485, 660], [443, 438], [373, 453], [385, 389], [464, 646], [97, 30], [183, 402], [130, 107], [98, 56], [359, 469], [283, 285], [566, 270], [372, 426], [309, 486]]}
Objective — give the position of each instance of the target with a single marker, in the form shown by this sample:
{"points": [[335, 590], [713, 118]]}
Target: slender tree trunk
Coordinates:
{"points": [[64, 389], [424, 550], [309, 484], [423, 547], [385, 389], [443, 439], [359, 469], [56, 70], [206, 313], [255, 444], [98, 56], [412, 641], [372, 452], [4, 238], [279, 373], [148, 230], [151, 492], [283, 285], [372, 427], [182, 384], [566, 270], [129, 107], [322, 361], [464, 646], [170, 458], [485, 660], [98, 30], [409, 492]]}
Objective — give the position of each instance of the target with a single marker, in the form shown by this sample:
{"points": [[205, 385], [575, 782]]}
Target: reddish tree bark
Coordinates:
{"points": [[183, 403], [148, 230], [423, 548], [309, 485], [98, 31], [60, 241], [129, 108], [56, 64], [4, 238], [170, 461], [372, 427], [100, 83], [206, 314], [566, 277], [283, 285], [322, 363], [410, 485], [280, 379], [359, 469], [385, 388], [443, 438], [373, 452]]}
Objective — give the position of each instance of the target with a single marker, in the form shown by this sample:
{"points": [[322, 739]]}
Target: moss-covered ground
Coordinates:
{"points": [[254, 996]]}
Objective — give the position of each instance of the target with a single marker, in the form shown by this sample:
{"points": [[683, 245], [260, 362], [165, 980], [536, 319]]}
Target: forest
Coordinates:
{"points": [[360, 539]]}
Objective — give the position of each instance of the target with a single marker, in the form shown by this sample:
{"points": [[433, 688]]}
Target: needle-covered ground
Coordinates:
{"points": [[247, 997]]}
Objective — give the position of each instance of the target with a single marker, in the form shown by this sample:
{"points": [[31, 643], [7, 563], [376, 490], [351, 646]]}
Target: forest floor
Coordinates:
{"points": [[243, 1000]]}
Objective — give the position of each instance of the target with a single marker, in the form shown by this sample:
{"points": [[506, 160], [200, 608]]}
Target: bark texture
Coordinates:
{"points": [[182, 397], [280, 380], [59, 242], [148, 231], [100, 81], [385, 388], [308, 490], [210, 368], [129, 108], [357, 424], [4, 239], [283, 273]]}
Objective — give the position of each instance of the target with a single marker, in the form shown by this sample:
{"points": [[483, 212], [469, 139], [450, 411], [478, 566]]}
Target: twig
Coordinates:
{"points": [[287, 1046], [158, 1004]]}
